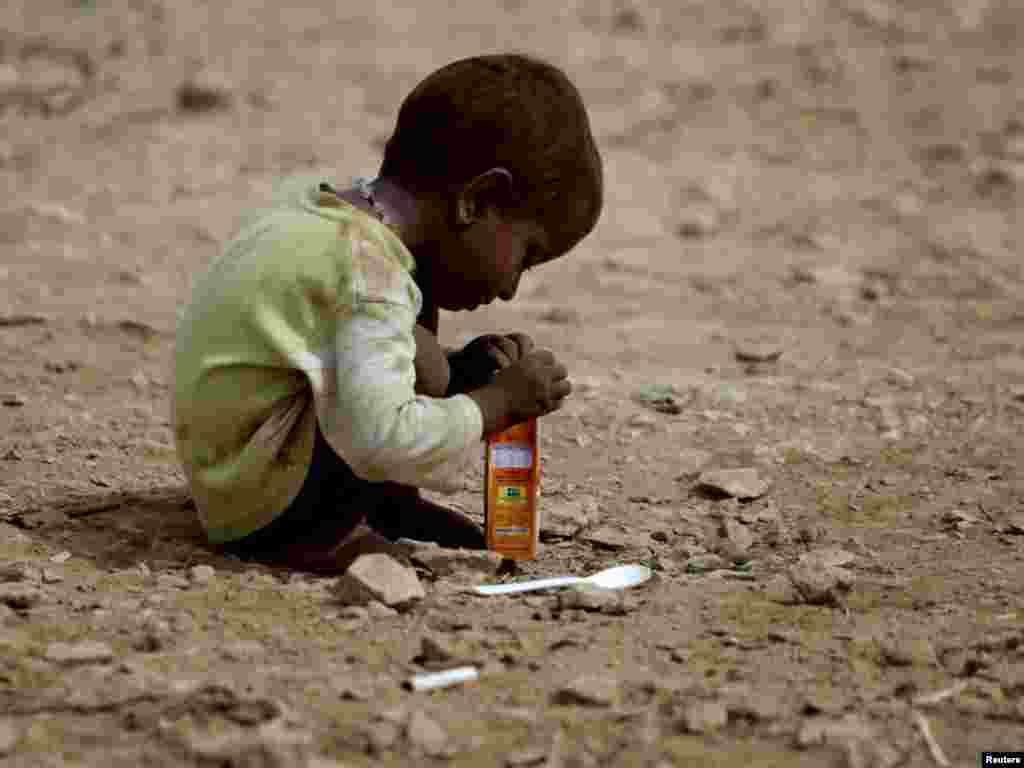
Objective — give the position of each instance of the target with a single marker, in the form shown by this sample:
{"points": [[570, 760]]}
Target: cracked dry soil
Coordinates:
{"points": [[808, 266]]}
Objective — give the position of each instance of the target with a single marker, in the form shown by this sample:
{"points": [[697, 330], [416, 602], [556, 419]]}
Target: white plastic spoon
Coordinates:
{"points": [[619, 577]]}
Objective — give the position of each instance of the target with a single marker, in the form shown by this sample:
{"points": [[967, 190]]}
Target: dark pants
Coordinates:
{"points": [[330, 504], [333, 501]]}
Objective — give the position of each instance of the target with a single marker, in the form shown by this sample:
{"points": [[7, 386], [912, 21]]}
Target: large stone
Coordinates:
{"points": [[818, 577], [742, 484], [443, 561], [382, 578], [904, 647]]}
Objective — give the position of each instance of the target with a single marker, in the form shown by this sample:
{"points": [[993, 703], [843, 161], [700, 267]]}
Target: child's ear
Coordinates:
{"points": [[491, 189]]}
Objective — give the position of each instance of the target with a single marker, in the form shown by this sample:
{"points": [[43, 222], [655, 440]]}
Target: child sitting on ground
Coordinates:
{"points": [[311, 397]]}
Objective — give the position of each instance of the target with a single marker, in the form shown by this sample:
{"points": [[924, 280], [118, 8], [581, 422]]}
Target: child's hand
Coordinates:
{"points": [[473, 366], [533, 386]]}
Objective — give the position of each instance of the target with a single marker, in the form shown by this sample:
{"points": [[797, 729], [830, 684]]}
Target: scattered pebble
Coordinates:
{"points": [[205, 91], [172, 580], [691, 461], [903, 647], [593, 599], [20, 596], [588, 691], [607, 538], [736, 540], [705, 716], [527, 758], [243, 650], [443, 561], [10, 735], [698, 221], [379, 577], [818, 577], [705, 563], [424, 733], [381, 735], [86, 652], [377, 610], [757, 351], [742, 484], [17, 572], [17, 320], [201, 574]]}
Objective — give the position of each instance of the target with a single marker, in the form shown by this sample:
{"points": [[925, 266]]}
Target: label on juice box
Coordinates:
{"points": [[512, 491]]}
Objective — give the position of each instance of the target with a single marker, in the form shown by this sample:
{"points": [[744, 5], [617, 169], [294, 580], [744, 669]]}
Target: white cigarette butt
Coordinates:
{"points": [[443, 679]]}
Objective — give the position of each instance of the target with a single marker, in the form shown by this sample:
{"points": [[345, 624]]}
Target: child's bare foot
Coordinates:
{"points": [[405, 514]]}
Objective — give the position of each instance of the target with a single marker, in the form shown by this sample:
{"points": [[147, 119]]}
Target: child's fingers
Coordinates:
{"points": [[522, 342]]}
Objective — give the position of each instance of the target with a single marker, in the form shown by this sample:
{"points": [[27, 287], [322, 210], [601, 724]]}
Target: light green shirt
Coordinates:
{"points": [[307, 316]]}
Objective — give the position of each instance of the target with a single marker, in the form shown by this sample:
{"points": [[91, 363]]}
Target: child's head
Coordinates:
{"points": [[501, 145]]}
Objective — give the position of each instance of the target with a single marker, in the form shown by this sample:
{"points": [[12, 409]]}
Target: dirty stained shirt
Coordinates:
{"points": [[307, 317]]}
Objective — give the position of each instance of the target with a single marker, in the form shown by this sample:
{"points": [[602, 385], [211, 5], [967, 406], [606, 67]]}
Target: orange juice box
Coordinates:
{"points": [[512, 491]]}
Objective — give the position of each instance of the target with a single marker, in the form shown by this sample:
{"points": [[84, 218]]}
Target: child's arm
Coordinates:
{"points": [[432, 372]]}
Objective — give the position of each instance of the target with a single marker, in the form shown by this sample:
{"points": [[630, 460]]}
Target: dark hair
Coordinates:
{"points": [[513, 111]]}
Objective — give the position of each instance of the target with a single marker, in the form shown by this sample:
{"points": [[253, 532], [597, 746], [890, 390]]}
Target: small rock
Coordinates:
{"points": [[526, 758], [737, 540], [86, 652], [759, 702], [588, 691], [899, 378], [1014, 524], [705, 716], [172, 581], [739, 483], [779, 589], [903, 647], [757, 351], [377, 610], [20, 596], [356, 613], [443, 561], [699, 220], [426, 734], [381, 735], [51, 576], [853, 735], [593, 599], [607, 538], [17, 572], [243, 650], [818, 581], [379, 577], [705, 563], [201, 574], [61, 557], [435, 650], [691, 461], [205, 91], [9, 736]]}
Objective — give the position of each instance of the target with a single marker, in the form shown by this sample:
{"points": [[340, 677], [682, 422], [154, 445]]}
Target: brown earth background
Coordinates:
{"points": [[811, 251]]}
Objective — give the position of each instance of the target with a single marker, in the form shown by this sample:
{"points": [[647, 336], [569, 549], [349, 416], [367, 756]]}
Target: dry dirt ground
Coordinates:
{"points": [[810, 252]]}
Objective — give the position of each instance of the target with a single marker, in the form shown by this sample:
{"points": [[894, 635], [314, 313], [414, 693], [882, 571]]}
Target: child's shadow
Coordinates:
{"points": [[119, 529]]}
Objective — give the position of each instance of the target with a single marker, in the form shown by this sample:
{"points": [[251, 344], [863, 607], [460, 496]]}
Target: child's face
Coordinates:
{"points": [[486, 260]]}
